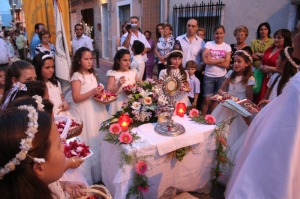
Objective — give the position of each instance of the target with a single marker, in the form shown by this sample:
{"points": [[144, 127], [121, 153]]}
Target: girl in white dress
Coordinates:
{"points": [[84, 86], [120, 76], [44, 68], [239, 82], [174, 63]]}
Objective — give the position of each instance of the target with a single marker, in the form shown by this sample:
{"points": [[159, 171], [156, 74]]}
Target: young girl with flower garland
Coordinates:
{"points": [[32, 156], [279, 80], [84, 86], [240, 82], [120, 76], [174, 64], [44, 67]]}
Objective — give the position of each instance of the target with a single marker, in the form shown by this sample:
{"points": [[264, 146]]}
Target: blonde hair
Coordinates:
{"points": [[241, 29]]}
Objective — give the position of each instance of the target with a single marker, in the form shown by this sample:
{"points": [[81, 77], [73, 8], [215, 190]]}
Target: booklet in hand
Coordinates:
{"points": [[244, 107]]}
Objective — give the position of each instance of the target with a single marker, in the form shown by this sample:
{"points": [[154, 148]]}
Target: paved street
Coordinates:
{"points": [[104, 66]]}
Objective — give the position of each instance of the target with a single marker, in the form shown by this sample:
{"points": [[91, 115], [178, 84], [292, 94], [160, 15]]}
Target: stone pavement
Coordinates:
{"points": [[104, 66]]}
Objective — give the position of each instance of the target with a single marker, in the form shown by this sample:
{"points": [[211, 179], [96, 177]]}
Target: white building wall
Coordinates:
{"points": [[279, 13]]}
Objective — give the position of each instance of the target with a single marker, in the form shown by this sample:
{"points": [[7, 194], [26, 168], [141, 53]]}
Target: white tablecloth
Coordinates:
{"points": [[193, 173]]}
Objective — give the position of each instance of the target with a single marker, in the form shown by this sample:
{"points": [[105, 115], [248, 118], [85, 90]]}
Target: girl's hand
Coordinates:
{"points": [[226, 95], [97, 91], [73, 188], [75, 162], [122, 80], [263, 103], [64, 106]]}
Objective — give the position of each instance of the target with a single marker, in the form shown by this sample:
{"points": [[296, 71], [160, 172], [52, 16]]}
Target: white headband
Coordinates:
{"points": [[39, 100], [245, 53], [47, 56], [174, 51]]}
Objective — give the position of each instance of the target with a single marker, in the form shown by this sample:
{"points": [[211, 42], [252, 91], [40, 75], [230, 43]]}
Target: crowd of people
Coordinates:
{"points": [[262, 72]]}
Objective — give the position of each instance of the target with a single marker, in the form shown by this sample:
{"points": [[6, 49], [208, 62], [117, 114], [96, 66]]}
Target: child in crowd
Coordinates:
{"points": [[239, 82], [2, 80], [174, 63], [120, 76], [216, 56], [18, 71], [44, 67], [194, 82], [84, 86], [27, 168], [201, 32], [138, 63]]}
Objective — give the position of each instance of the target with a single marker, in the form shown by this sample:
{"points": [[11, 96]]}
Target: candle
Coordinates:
{"points": [[180, 109], [124, 121]]}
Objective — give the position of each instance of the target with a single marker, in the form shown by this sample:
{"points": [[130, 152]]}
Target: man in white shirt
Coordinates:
{"points": [[81, 40], [133, 34], [5, 54], [192, 45]]}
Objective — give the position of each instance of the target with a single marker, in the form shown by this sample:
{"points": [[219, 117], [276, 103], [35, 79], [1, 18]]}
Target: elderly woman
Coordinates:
{"points": [[45, 46], [241, 34]]}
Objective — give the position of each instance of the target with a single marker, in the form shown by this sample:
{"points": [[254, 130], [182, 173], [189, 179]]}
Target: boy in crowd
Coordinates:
{"points": [[138, 63], [194, 82]]}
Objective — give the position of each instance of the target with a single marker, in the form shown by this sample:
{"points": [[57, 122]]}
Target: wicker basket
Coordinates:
{"points": [[99, 191], [73, 132]]}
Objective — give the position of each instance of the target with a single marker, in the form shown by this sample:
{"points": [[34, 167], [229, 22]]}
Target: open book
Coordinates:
{"points": [[244, 107]]}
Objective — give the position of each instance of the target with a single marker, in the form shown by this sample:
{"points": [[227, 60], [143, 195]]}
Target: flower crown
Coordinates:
{"points": [[25, 143], [39, 100], [245, 53], [289, 58]]}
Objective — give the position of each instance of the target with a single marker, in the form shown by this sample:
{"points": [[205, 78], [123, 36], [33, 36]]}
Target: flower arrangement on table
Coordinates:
{"points": [[143, 106]]}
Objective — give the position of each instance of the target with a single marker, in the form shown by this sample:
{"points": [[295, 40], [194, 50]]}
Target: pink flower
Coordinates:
{"points": [[223, 141], [125, 137], [143, 189], [140, 167], [194, 112], [209, 119], [115, 128]]}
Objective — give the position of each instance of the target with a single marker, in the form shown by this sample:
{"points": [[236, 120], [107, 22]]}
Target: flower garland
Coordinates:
{"points": [[25, 144], [221, 142], [140, 181]]}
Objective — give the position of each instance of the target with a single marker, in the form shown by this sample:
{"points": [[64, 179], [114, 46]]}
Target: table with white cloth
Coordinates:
{"points": [[193, 173]]}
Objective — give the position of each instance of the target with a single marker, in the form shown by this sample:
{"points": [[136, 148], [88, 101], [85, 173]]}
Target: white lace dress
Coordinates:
{"points": [[92, 114], [130, 79]]}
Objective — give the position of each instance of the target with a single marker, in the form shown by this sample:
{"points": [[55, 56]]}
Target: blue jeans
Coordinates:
{"points": [[212, 85]]}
